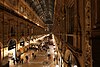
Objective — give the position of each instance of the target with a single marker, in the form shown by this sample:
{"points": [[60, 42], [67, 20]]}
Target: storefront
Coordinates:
{"points": [[8, 53], [12, 49], [27, 45], [11, 53], [22, 46]]}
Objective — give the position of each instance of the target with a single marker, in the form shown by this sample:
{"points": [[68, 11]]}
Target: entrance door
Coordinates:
{"points": [[96, 51], [12, 49]]}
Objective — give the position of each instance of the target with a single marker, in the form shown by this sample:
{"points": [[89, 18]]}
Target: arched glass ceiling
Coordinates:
{"points": [[43, 8]]}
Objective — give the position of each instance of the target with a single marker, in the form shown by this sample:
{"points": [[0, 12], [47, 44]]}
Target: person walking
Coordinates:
{"points": [[14, 61], [22, 60], [17, 60], [35, 56], [32, 55], [26, 58]]}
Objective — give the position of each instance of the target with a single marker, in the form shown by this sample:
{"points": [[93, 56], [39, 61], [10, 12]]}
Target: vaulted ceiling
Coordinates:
{"points": [[43, 8]]}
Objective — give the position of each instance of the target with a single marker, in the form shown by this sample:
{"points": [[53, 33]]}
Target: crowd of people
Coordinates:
{"points": [[17, 60], [22, 60], [40, 48]]}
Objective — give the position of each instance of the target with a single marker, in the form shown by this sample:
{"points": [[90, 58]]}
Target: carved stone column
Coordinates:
{"points": [[87, 54]]}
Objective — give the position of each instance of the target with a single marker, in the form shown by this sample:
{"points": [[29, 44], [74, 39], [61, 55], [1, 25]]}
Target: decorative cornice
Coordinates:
{"points": [[2, 7]]}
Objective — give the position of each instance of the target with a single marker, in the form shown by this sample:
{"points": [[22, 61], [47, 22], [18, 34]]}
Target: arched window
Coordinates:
{"points": [[12, 44]]}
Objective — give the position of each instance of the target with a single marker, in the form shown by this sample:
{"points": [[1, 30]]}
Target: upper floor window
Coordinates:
{"points": [[71, 20], [12, 31]]}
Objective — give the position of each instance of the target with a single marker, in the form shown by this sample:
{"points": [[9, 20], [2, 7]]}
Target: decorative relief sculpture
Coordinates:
{"points": [[87, 32]]}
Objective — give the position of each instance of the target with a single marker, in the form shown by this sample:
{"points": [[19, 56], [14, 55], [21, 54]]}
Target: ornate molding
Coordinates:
{"points": [[87, 18], [88, 55], [87, 33]]}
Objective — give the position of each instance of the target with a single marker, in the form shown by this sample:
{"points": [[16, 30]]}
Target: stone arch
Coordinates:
{"points": [[1, 50], [12, 39], [12, 42], [70, 59], [22, 41], [12, 48], [1, 45], [76, 58], [22, 38]]}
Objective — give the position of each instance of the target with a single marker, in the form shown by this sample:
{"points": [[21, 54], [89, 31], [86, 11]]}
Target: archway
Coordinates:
{"points": [[12, 49], [20, 47], [22, 42], [1, 51], [70, 59]]}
